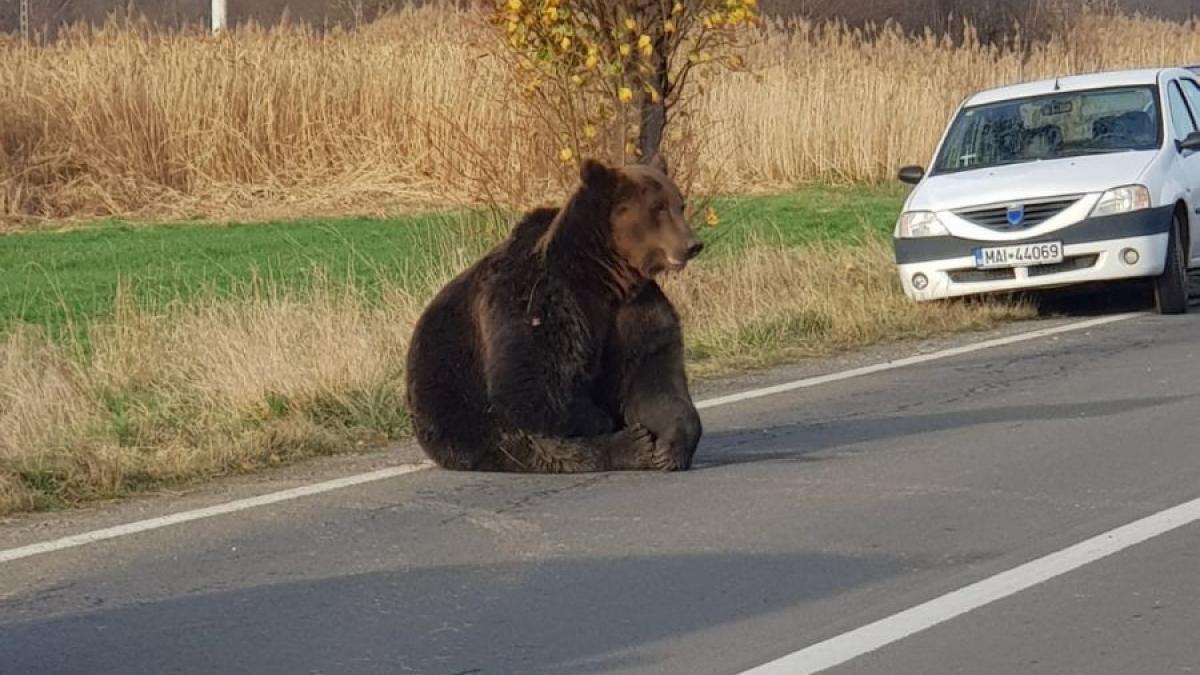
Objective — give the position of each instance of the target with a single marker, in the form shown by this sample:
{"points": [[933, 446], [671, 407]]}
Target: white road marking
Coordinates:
{"points": [[838, 650], [208, 512], [913, 360], [9, 555]]}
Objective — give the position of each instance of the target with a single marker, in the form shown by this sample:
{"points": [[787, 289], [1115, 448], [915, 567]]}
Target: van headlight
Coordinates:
{"points": [[1122, 200], [914, 224]]}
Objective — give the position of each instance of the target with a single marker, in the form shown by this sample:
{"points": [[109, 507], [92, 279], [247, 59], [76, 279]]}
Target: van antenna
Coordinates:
{"points": [[1056, 87]]}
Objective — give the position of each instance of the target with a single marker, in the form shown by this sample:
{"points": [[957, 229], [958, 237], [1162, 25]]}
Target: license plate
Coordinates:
{"points": [[1020, 255]]}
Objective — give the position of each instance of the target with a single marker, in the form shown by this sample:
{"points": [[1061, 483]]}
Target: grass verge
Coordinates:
{"points": [[149, 356]]}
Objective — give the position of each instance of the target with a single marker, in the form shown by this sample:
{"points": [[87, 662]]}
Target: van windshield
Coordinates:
{"points": [[1066, 124]]}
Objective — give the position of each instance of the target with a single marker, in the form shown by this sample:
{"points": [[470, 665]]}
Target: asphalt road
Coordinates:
{"points": [[810, 513]]}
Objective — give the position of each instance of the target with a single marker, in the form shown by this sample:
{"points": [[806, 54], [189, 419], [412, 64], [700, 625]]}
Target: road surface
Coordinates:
{"points": [[810, 513]]}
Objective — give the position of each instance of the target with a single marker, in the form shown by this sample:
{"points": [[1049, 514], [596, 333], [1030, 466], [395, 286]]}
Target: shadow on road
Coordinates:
{"points": [[1101, 300], [796, 442], [1093, 300], [548, 616]]}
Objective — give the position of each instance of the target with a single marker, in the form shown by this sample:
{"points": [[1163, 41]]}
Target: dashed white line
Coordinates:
{"points": [[72, 541], [847, 646]]}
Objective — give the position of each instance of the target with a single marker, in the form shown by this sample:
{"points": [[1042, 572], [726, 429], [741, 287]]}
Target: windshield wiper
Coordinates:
{"points": [[1094, 151]]}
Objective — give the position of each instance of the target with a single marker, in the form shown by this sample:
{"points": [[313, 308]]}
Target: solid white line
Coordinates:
{"points": [[847, 646], [327, 486], [208, 512], [913, 360]]}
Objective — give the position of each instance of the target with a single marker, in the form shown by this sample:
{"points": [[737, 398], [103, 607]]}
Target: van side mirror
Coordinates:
{"points": [[1192, 142], [911, 174]]}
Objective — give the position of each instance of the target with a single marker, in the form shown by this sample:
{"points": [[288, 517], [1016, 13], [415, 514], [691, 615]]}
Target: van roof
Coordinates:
{"points": [[1115, 78]]}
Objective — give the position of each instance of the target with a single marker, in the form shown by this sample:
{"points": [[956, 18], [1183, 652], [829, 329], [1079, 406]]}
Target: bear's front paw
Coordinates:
{"points": [[668, 457], [632, 448], [641, 441]]}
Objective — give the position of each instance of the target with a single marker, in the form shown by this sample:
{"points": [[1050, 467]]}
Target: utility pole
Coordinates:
{"points": [[24, 20], [218, 15]]}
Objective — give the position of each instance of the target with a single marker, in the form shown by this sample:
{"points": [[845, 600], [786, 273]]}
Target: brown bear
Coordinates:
{"points": [[557, 352]]}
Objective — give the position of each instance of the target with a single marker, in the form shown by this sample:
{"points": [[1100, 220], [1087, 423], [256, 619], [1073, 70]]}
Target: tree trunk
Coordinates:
{"points": [[654, 114]]}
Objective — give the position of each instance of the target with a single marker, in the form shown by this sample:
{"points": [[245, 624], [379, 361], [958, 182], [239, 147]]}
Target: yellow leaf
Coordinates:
{"points": [[576, 80], [591, 61], [750, 3], [645, 45], [589, 131], [624, 49], [514, 5], [653, 93], [711, 218], [566, 43], [678, 8], [668, 26], [631, 25], [625, 94], [565, 155]]}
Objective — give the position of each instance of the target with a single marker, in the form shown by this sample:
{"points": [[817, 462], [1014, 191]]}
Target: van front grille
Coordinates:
{"points": [[974, 276], [1079, 262], [1036, 212]]}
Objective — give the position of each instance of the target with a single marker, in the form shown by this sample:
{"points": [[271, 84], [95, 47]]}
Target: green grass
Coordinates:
{"points": [[811, 214], [55, 279], [60, 280]]}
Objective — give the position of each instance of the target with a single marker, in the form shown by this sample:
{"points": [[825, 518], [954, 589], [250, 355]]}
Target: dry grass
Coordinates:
{"points": [[217, 387], [404, 113], [771, 305]]}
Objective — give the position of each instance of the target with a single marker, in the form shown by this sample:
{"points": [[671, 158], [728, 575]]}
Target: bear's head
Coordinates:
{"points": [[648, 228]]}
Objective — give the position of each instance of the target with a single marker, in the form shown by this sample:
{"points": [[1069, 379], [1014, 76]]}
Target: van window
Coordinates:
{"points": [[1181, 117], [1064, 124], [1191, 93]]}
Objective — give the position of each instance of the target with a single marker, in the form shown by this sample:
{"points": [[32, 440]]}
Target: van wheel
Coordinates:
{"points": [[1171, 287]]}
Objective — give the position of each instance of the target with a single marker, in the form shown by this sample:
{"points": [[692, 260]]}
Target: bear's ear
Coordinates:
{"points": [[593, 172], [657, 162]]}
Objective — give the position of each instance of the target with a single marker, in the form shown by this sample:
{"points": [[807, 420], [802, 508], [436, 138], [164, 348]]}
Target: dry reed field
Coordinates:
{"points": [[409, 111]]}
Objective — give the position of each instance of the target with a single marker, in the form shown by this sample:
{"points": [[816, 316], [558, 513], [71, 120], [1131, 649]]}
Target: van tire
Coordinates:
{"points": [[1171, 287]]}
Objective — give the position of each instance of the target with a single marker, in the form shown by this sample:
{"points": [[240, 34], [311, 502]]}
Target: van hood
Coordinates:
{"points": [[1029, 180]]}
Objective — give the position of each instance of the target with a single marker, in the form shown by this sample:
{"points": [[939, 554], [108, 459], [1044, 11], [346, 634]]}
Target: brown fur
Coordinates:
{"points": [[507, 368]]}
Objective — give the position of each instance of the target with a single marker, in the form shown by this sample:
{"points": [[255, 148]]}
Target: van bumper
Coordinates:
{"points": [[1092, 251]]}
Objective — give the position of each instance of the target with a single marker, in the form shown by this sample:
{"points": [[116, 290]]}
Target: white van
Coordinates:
{"points": [[1058, 182]]}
